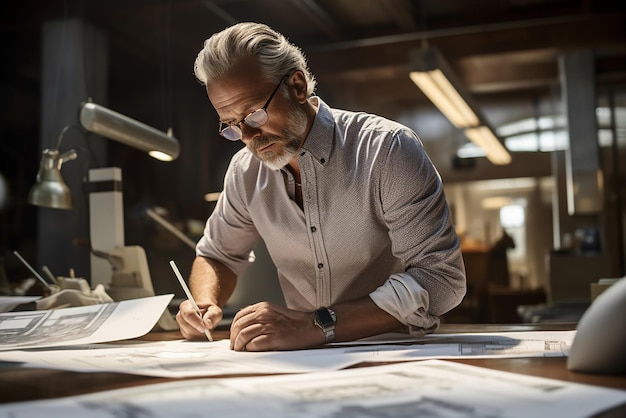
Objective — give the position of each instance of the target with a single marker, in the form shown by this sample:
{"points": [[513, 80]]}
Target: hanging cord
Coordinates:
{"points": [[170, 89], [422, 21], [84, 49], [59, 65], [166, 66]]}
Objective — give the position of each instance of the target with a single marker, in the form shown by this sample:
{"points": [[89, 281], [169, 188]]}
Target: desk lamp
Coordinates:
{"points": [[125, 268], [50, 190]]}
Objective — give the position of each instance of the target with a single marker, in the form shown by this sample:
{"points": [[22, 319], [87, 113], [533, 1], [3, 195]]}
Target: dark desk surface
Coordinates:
{"points": [[21, 384]]}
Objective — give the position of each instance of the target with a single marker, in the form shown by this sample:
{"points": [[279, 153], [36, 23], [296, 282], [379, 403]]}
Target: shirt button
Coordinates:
{"points": [[313, 229], [320, 266]]}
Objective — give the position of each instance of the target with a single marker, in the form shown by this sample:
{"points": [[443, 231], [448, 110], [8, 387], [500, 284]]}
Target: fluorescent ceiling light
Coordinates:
{"points": [[430, 72], [487, 140], [438, 89]]}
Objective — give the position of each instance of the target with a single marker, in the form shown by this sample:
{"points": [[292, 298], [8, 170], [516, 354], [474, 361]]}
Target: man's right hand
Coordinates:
{"points": [[191, 325]]}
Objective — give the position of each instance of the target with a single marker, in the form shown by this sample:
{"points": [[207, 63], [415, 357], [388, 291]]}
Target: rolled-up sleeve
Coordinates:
{"points": [[403, 298]]}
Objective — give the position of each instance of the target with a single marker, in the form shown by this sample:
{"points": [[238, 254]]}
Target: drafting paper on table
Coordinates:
{"points": [[193, 359], [464, 337], [473, 345], [426, 388], [81, 325], [470, 345], [180, 358], [10, 302]]}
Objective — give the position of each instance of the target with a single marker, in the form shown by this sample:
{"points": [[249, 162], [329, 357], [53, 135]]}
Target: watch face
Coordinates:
{"points": [[324, 317]]}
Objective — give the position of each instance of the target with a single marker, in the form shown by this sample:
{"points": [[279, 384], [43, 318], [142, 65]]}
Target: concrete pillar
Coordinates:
{"points": [[583, 173], [74, 67]]}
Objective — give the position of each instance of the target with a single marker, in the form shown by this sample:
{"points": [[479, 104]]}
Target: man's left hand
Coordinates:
{"points": [[265, 326]]}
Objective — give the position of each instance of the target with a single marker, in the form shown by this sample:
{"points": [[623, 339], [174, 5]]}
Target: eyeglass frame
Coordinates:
{"points": [[237, 125]]}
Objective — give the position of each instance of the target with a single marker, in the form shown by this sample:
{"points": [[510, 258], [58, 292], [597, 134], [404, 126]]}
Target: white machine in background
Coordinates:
{"points": [[121, 269], [106, 221], [130, 276]]}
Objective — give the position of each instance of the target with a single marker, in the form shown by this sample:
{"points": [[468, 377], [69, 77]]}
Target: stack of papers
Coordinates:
{"points": [[311, 382]]}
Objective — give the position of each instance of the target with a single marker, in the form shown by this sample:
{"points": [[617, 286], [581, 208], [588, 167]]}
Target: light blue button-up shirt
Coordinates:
{"points": [[374, 221]]}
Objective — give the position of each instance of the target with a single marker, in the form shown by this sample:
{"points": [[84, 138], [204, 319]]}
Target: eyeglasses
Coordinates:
{"points": [[232, 131]]}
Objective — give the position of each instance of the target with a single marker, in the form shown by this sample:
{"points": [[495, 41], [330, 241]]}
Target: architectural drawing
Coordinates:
{"points": [[429, 388], [81, 325], [59, 325]]}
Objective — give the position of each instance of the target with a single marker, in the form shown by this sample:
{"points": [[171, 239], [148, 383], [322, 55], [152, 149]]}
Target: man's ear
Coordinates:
{"points": [[298, 86]]}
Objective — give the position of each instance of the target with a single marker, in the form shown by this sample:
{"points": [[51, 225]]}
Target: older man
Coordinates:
{"points": [[349, 205]]}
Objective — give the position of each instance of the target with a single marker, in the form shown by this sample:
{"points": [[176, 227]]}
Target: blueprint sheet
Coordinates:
{"points": [[430, 388], [81, 325]]}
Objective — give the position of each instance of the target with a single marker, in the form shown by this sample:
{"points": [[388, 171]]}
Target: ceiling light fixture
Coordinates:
{"points": [[431, 73], [485, 138], [100, 120]]}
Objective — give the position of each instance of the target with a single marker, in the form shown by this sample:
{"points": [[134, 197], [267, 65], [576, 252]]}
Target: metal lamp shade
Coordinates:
{"points": [[50, 190]]}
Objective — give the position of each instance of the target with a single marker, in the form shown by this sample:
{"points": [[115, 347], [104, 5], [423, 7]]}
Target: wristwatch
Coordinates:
{"points": [[325, 318]]}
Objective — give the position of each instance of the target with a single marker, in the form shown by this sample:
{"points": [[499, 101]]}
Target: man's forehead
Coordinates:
{"points": [[244, 71], [241, 87], [233, 96]]}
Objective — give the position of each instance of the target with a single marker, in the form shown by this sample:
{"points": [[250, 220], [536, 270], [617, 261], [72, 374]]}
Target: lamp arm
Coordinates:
{"points": [[67, 156]]}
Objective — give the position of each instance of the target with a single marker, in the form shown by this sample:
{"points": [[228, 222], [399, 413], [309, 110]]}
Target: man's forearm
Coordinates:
{"points": [[362, 318], [211, 282]]}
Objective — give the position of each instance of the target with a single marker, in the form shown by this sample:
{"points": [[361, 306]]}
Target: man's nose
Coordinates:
{"points": [[248, 133]]}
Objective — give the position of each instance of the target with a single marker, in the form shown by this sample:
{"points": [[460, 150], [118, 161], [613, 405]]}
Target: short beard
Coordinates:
{"points": [[293, 136]]}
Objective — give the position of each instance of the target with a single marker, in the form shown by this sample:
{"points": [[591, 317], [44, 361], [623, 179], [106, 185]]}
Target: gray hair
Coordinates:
{"points": [[276, 56]]}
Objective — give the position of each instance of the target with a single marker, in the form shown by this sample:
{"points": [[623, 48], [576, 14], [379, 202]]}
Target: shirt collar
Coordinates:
{"points": [[319, 141]]}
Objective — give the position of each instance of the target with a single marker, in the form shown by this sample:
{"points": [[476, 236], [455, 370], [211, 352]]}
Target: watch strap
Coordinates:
{"points": [[325, 319]]}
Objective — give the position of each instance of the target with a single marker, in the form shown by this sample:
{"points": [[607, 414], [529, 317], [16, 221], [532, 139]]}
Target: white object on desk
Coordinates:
{"points": [[600, 342]]}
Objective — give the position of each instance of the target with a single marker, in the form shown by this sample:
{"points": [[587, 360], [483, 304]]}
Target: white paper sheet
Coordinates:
{"points": [[432, 388], [81, 325], [180, 359], [475, 345], [192, 359]]}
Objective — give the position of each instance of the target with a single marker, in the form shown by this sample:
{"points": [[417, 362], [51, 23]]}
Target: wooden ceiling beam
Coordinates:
{"points": [[564, 34]]}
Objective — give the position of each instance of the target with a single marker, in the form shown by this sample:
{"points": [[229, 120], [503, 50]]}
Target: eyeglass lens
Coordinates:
{"points": [[254, 120]]}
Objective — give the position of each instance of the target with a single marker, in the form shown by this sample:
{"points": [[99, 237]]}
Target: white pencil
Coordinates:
{"points": [[188, 293]]}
